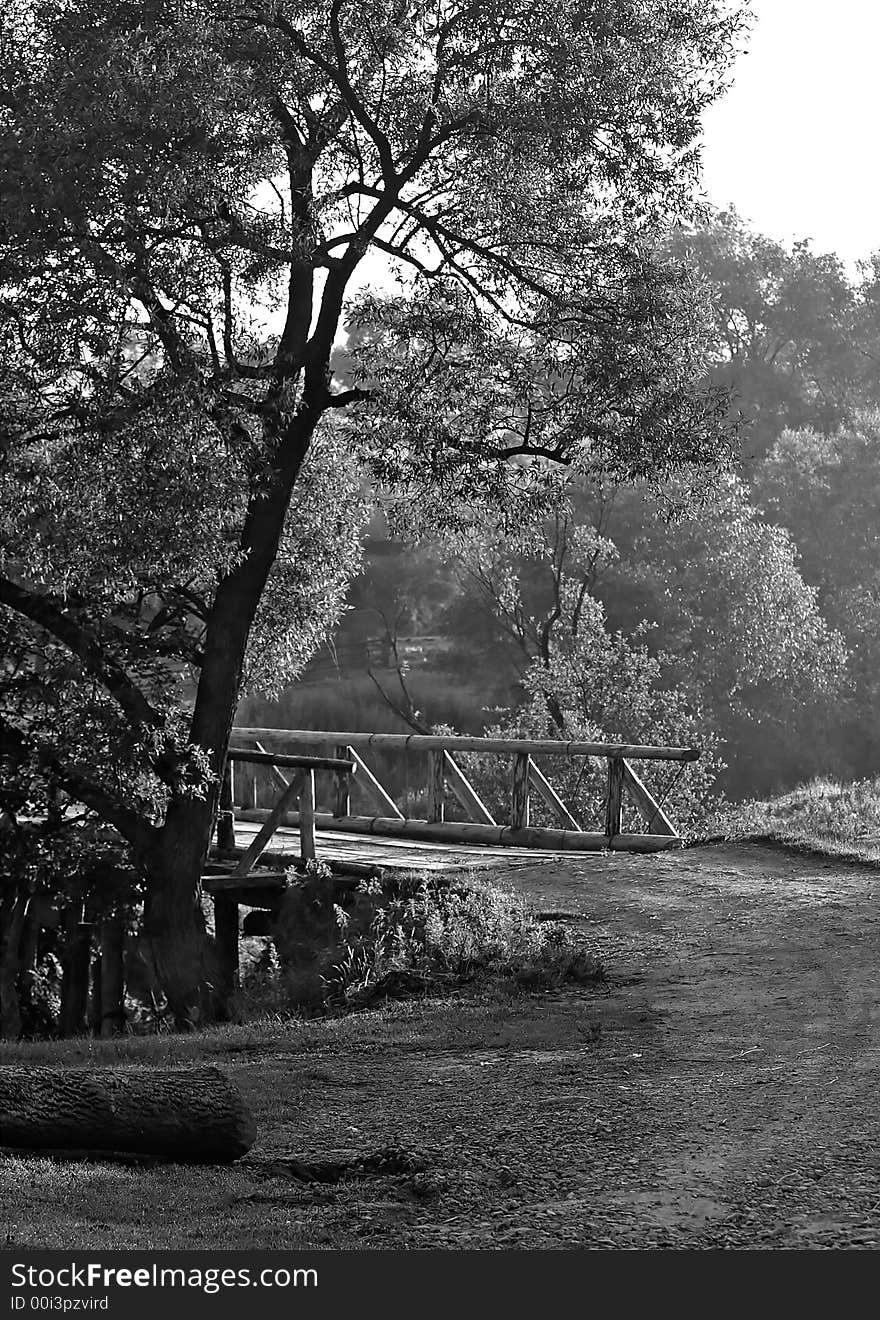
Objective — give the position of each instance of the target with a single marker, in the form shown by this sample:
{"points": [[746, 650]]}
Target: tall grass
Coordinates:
{"points": [[840, 819], [354, 704]]}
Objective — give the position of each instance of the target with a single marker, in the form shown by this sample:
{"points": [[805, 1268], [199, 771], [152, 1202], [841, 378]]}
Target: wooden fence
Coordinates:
{"points": [[443, 778]]}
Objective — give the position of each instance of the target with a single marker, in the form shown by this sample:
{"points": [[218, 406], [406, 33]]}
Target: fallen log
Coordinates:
{"points": [[194, 1115]]}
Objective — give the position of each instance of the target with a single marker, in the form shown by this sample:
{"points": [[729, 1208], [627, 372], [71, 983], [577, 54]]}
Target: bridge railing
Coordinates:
{"points": [[443, 778]]}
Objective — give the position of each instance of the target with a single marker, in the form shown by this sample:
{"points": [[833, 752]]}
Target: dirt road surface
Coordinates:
{"points": [[720, 1091]]}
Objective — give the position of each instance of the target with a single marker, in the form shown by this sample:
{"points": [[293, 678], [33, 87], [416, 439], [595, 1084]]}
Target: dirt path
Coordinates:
{"points": [[750, 1032], [722, 1091]]}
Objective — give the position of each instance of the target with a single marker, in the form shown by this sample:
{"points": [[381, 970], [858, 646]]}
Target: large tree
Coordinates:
{"points": [[189, 191]]}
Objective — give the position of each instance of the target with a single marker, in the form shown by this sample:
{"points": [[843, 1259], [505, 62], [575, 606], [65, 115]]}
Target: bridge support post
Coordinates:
{"points": [[613, 807], [342, 797], [226, 816], [519, 791], [226, 936]]}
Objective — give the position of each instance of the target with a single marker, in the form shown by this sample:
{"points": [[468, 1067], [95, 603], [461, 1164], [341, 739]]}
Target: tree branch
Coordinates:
{"points": [[44, 611], [15, 746]]}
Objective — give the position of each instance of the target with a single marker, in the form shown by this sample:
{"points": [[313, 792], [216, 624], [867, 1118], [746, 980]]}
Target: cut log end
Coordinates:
{"points": [[194, 1115]]}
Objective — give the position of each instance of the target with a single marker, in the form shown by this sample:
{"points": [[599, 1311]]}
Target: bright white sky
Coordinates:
{"points": [[794, 143]]}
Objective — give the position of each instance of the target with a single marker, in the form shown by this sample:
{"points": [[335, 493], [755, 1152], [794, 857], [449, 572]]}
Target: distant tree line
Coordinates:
{"points": [[744, 595]]}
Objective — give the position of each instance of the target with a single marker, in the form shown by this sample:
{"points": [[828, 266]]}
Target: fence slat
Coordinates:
{"points": [[653, 814], [371, 786], [424, 742], [258, 847], [465, 792], [545, 789]]}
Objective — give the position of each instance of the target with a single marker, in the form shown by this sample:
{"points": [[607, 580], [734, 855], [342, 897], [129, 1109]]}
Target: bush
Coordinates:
{"points": [[413, 936]]}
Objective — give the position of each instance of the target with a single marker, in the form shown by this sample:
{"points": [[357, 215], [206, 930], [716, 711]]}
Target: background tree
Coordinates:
{"points": [[191, 189], [686, 583], [783, 339], [825, 489]]}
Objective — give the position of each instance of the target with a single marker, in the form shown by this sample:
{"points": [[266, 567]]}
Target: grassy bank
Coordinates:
{"points": [[837, 819]]}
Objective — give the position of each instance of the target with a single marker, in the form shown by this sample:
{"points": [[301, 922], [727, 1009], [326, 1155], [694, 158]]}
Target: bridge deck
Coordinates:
{"points": [[402, 854]]}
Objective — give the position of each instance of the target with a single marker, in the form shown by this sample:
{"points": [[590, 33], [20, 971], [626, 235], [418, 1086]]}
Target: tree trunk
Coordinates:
{"points": [[112, 1018], [12, 922], [174, 924], [75, 967], [30, 947], [193, 1114], [95, 995], [181, 954]]}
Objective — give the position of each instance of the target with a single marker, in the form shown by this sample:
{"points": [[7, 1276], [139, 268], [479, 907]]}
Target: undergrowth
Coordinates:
{"points": [[421, 936]]}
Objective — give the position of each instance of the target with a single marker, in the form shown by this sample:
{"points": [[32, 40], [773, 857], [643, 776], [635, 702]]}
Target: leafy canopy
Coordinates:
{"points": [[190, 188]]}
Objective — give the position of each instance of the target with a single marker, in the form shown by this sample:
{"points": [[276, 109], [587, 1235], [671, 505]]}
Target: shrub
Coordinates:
{"points": [[414, 935]]}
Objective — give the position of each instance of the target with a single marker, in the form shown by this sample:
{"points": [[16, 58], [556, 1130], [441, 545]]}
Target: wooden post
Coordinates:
{"points": [[307, 849], [519, 791], [226, 937], [112, 976], [75, 966], [342, 796], [615, 794], [226, 816], [436, 783]]}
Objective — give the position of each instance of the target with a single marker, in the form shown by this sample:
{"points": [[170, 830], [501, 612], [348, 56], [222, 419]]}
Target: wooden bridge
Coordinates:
{"points": [[270, 811], [261, 789]]}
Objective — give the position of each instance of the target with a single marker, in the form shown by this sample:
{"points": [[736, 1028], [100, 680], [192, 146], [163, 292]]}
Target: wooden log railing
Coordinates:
{"points": [[300, 788], [623, 785]]}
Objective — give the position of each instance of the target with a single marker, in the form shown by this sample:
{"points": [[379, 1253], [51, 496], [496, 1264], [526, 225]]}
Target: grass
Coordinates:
{"points": [[825, 816], [358, 1085]]}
